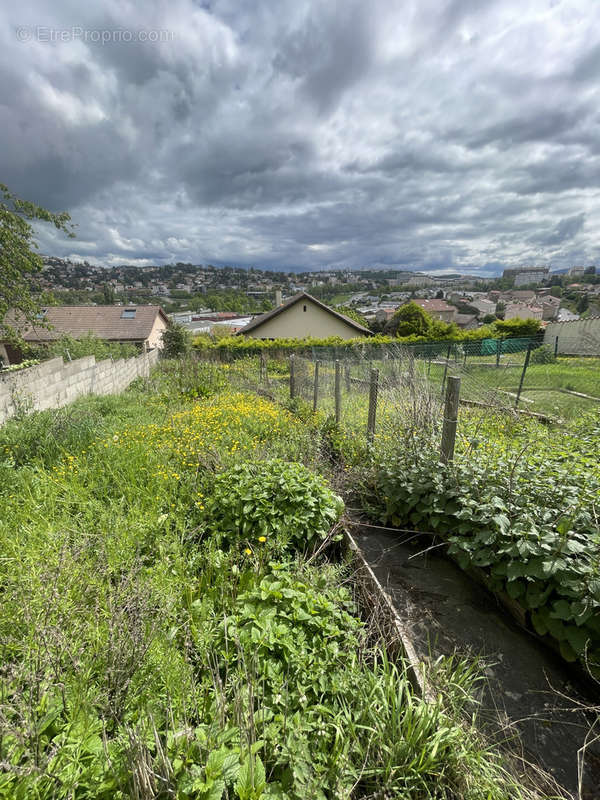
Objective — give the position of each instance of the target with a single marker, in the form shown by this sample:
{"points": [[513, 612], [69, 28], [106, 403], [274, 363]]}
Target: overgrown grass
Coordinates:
{"points": [[152, 646]]}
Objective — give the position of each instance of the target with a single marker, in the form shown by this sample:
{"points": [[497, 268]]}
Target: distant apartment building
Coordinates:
{"points": [[522, 311], [419, 280], [576, 272], [526, 275]]}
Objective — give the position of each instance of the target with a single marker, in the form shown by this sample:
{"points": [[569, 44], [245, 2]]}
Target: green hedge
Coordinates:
{"points": [[482, 341]]}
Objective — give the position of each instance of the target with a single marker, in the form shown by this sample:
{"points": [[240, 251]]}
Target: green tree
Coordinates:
{"points": [[19, 263], [556, 291], [583, 304], [108, 294], [352, 314], [408, 320], [177, 341]]}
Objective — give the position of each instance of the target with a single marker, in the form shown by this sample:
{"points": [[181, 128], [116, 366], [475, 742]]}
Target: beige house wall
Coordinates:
{"points": [[155, 338], [3, 354], [295, 323]]}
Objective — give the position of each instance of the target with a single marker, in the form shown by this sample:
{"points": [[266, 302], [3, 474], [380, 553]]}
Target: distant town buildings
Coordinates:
{"points": [[522, 311], [204, 297], [527, 275], [438, 309]]}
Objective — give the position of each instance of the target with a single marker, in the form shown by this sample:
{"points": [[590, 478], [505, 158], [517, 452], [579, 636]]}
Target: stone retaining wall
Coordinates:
{"points": [[55, 383]]}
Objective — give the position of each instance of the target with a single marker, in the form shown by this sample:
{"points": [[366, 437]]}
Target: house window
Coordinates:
{"points": [[128, 313], [303, 308]]}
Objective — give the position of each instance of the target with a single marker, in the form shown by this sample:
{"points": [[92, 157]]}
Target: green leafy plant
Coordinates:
{"points": [[70, 348], [29, 362], [176, 340], [284, 503], [527, 521]]}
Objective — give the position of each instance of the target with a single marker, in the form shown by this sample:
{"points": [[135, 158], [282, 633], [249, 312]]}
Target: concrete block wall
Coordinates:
{"points": [[55, 383]]}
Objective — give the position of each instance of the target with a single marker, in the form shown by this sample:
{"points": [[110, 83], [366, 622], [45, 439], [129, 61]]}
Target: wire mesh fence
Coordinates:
{"points": [[522, 374], [369, 390]]}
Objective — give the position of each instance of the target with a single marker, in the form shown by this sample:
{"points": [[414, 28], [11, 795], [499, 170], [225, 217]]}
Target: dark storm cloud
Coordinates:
{"points": [[427, 133], [564, 231], [328, 53]]}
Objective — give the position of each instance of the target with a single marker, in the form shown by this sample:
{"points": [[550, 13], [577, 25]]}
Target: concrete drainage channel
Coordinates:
{"points": [[529, 697]]}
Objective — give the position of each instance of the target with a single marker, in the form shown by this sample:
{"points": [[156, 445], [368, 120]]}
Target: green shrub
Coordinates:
{"points": [[517, 328], [237, 346], [283, 502], [543, 355], [71, 348]]}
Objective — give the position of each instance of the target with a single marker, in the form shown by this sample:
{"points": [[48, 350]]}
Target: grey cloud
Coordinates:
{"points": [[537, 126], [329, 52], [587, 68], [425, 134], [566, 229]]}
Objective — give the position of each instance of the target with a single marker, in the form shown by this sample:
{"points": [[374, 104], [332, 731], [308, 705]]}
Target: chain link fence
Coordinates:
{"points": [[369, 389], [517, 375]]}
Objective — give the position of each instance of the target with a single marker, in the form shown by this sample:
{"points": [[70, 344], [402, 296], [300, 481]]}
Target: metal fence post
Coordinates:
{"points": [[525, 365], [373, 391], [338, 392], [316, 387], [450, 419], [556, 347], [292, 377], [498, 351]]}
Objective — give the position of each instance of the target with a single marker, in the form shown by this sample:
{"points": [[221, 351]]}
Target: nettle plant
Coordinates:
{"points": [[277, 504], [529, 523]]}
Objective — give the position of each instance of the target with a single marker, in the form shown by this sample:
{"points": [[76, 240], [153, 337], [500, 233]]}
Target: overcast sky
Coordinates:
{"points": [[437, 134]]}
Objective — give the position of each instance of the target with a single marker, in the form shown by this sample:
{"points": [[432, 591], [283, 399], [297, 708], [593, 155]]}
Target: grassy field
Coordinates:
{"points": [[166, 633], [545, 389]]}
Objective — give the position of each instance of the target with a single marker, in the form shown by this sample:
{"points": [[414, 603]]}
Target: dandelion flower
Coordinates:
{"points": [[262, 538], [248, 551]]}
